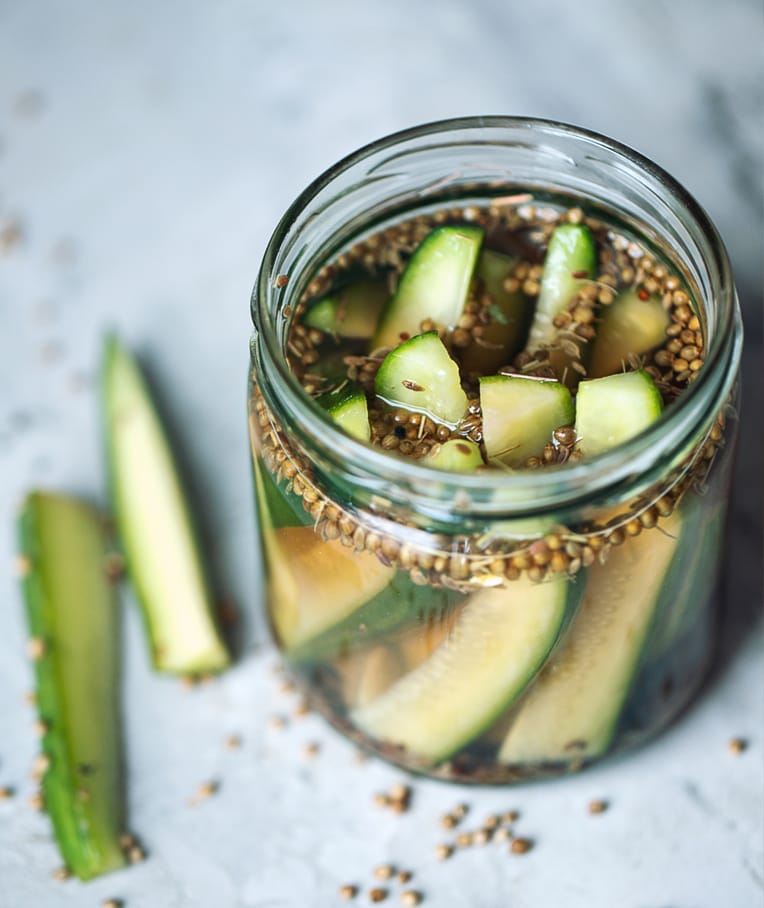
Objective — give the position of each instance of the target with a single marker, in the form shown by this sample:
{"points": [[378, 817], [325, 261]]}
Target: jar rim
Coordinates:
{"points": [[524, 491]]}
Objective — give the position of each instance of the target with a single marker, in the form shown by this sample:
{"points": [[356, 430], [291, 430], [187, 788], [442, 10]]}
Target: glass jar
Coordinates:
{"points": [[493, 626]]}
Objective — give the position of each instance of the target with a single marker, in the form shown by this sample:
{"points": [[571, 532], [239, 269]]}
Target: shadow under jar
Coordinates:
{"points": [[501, 623]]}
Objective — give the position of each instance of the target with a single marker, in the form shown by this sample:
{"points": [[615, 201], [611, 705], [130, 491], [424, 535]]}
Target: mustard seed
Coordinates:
{"points": [[481, 837]]}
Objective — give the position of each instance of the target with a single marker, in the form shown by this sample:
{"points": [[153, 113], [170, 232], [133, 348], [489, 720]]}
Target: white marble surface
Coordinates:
{"points": [[147, 151]]}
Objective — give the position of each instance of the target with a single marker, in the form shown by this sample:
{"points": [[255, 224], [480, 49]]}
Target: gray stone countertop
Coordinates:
{"points": [[147, 150]]}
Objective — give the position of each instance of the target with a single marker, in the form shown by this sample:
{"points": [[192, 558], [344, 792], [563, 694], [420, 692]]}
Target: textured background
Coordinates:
{"points": [[146, 152]]}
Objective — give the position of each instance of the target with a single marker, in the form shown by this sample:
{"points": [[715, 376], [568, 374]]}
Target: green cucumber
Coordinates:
{"points": [[459, 455], [399, 604], [348, 408], [572, 710], [155, 525], [611, 410], [350, 311], [493, 651], [571, 260], [420, 375], [520, 414], [503, 336], [74, 622], [630, 326], [434, 285]]}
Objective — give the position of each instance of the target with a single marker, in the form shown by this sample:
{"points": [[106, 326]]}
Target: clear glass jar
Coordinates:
{"points": [[374, 562]]}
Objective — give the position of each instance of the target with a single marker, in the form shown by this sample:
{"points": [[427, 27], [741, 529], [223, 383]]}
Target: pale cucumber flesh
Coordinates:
{"points": [[630, 327], [611, 410]]}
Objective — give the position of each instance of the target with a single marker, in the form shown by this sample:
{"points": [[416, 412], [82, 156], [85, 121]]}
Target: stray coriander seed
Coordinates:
{"points": [[384, 871], [348, 892], [410, 898], [460, 811], [510, 816], [311, 750], [136, 854], [598, 806], [404, 876], [40, 766], [442, 852], [481, 837], [400, 792], [60, 874], [36, 648], [6, 793], [112, 903], [207, 790], [520, 846], [277, 722], [233, 742], [448, 821], [464, 839], [503, 834], [377, 894], [491, 822], [23, 566], [738, 745], [37, 802], [381, 800]]}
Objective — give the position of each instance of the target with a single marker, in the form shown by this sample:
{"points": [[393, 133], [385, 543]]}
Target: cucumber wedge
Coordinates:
{"points": [[572, 710], [368, 674], [510, 313], [629, 326], [434, 284], [72, 614], [348, 408], [459, 455], [493, 651], [520, 415], [571, 260], [419, 375], [611, 410], [351, 311], [155, 525]]}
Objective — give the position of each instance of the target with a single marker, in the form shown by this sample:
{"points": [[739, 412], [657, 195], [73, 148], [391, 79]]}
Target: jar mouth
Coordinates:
{"points": [[495, 492]]}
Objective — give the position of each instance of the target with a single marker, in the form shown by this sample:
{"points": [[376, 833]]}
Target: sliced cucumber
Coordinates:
{"points": [[459, 455], [611, 410], [155, 525], [520, 414], [351, 311], [571, 260], [629, 326], [347, 406], [420, 375], [398, 604], [491, 654], [434, 284], [504, 334], [368, 674], [572, 710], [72, 613]]}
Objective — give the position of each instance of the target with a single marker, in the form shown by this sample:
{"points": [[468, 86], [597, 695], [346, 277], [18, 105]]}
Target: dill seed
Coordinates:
{"points": [[738, 745], [348, 892], [598, 806], [520, 846]]}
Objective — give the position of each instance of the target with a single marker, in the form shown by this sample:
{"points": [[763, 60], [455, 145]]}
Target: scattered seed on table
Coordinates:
{"points": [[491, 822], [377, 895], [6, 793], [311, 750], [277, 722], [481, 837], [348, 892], [40, 728], [381, 800], [126, 840], [410, 898], [464, 839], [510, 816], [302, 709], [36, 802], [40, 766], [400, 792], [448, 821], [36, 648], [404, 876], [598, 806], [503, 834], [112, 903], [520, 846], [738, 745], [136, 854], [442, 852], [60, 874], [460, 811], [233, 742], [22, 566], [206, 790], [384, 871]]}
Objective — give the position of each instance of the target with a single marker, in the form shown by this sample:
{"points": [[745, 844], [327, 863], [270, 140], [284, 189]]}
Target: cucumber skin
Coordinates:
{"points": [[87, 851], [221, 658]]}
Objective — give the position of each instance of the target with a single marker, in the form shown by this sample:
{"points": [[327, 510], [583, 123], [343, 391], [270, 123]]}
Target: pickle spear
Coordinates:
{"points": [[155, 526], [73, 621]]}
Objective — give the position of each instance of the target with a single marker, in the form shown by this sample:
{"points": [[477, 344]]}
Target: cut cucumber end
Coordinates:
{"points": [[155, 526], [434, 285], [520, 414], [352, 311], [630, 327], [459, 455], [349, 409], [611, 410], [72, 614], [419, 375]]}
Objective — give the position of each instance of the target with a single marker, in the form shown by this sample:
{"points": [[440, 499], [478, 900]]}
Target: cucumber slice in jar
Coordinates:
{"points": [[630, 326], [611, 410], [493, 650], [520, 414], [351, 311], [73, 618], [348, 408], [459, 455], [434, 285], [162, 551], [502, 337], [572, 710], [571, 260], [419, 375]]}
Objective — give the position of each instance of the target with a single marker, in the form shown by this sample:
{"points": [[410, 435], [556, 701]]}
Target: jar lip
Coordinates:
{"points": [[552, 485]]}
